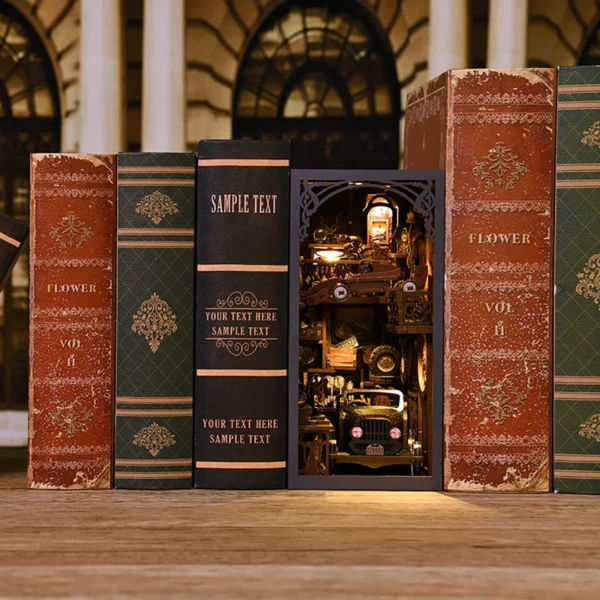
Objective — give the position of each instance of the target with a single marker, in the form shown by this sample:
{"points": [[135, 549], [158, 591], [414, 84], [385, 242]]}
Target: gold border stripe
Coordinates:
{"points": [[9, 240], [241, 372], [578, 89], [165, 169], [157, 475], [154, 400], [583, 458], [577, 183], [579, 167], [243, 162], [243, 268], [155, 244], [578, 474], [153, 462], [145, 231], [241, 465], [156, 182], [577, 380], [577, 395], [581, 105], [149, 412]]}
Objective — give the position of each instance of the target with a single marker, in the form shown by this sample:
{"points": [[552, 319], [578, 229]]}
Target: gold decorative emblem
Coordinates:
{"points": [[500, 399], [501, 168], [154, 320], [590, 429], [591, 136], [589, 280], [154, 438], [72, 232], [71, 417], [156, 206]]}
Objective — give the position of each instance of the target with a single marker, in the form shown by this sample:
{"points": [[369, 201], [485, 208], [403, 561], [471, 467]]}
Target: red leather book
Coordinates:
{"points": [[71, 371], [493, 132]]}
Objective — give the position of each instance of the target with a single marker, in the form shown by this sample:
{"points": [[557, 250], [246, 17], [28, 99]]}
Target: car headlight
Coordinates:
{"points": [[356, 432], [395, 433]]}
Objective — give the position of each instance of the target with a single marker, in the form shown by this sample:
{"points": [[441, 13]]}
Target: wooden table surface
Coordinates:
{"points": [[315, 545]]}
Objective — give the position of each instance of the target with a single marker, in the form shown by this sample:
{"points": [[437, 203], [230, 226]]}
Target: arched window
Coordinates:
{"points": [[29, 122], [322, 75]]}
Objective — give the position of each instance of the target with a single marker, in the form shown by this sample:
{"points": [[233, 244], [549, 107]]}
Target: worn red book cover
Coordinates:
{"points": [[71, 371], [493, 131]]}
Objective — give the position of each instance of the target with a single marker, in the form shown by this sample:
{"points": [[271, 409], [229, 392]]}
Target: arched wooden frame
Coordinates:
{"points": [[361, 128], [23, 130]]}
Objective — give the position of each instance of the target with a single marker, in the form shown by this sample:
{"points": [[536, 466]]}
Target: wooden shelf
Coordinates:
{"points": [[375, 462], [410, 329], [353, 300]]}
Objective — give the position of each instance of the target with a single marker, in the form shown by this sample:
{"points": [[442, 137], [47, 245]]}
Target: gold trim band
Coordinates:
{"points": [[153, 462], [157, 475], [243, 268], [190, 170], [573, 458], [241, 465], [154, 400], [578, 89], [141, 412], [578, 167], [242, 162], [241, 372], [155, 244], [578, 183], [577, 395], [9, 240], [577, 380], [578, 474], [146, 231], [582, 105], [156, 182]]}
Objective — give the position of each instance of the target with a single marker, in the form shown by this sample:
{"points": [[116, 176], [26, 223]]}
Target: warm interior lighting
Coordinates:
{"points": [[329, 255]]}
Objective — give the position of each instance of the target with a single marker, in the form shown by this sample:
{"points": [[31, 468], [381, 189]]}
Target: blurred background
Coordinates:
{"points": [[157, 75]]}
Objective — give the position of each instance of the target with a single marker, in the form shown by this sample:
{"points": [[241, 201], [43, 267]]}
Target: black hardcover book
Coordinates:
{"points": [[13, 235], [241, 314]]}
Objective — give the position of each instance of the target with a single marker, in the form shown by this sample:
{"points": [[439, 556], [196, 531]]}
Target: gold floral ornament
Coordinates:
{"points": [[71, 417], [500, 399], [156, 206], [590, 429], [154, 438], [501, 169], [589, 280], [591, 136], [72, 232], [155, 321]]}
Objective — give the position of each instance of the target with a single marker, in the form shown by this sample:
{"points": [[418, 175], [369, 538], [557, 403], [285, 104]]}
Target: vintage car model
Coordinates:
{"points": [[380, 278], [372, 421]]}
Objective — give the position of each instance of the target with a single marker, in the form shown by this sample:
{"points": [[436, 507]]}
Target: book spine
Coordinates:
{"points": [[154, 330], [241, 315], [71, 366], [498, 142], [577, 301]]}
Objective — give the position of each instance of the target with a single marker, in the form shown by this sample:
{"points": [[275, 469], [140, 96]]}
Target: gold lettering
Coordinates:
{"points": [[500, 238], [71, 361], [499, 307], [499, 330]]}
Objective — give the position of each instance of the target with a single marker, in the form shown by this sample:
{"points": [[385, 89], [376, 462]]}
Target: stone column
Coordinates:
{"points": [[163, 77], [448, 35], [102, 77], [507, 34]]}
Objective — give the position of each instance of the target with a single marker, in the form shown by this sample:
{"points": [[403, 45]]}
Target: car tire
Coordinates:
{"points": [[340, 292]]}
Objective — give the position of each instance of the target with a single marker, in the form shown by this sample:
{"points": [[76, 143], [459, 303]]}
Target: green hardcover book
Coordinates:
{"points": [[154, 331], [577, 341]]}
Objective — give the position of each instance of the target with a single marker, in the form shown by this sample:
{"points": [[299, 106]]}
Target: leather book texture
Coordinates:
{"points": [[577, 300], [71, 366], [154, 330], [241, 315], [494, 131], [13, 235]]}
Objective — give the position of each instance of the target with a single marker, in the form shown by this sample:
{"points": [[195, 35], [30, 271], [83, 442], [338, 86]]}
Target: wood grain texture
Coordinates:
{"points": [[281, 544]]}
